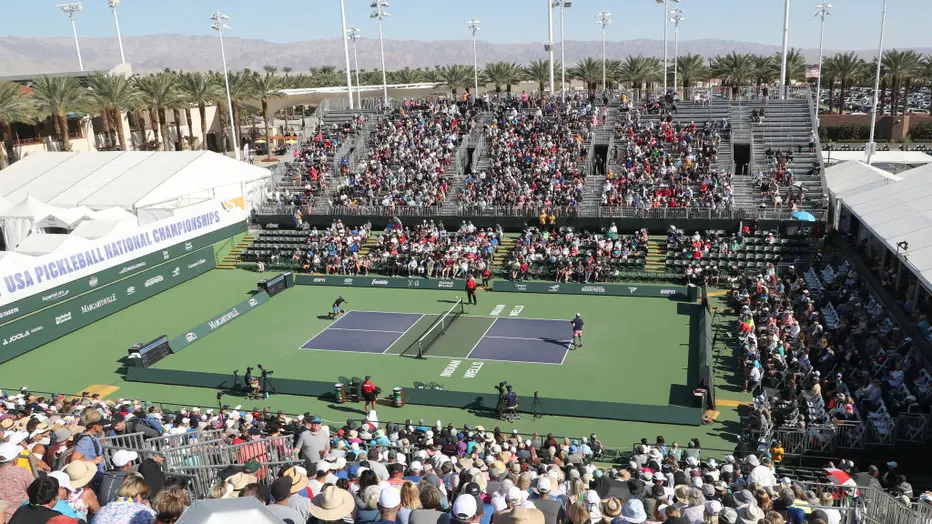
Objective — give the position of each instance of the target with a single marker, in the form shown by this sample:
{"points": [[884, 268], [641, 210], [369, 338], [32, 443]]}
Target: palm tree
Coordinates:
{"points": [[240, 89], [57, 96], [270, 70], [691, 69], [201, 90], [925, 73], [901, 67], [734, 69], [502, 74], [588, 71], [406, 76], [113, 94], [795, 65], [225, 142], [844, 68], [640, 72], [15, 106], [456, 76], [766, 70], [266, 87], [539, 71], [159, 92]]}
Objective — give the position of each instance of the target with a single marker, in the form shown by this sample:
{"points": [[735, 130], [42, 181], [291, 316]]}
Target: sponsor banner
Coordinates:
{"points": [[27, 333], [53, 296], [599, 288], [380, 281], [217, 321], [118, 252]]}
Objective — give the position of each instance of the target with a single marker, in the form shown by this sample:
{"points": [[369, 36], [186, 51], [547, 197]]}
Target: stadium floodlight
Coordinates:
{"points": [[677, 15], [822, 11], [786, 40], [116, 21], [473, 25], [665, 11], [379, 12], [219, 26], [349, 82], [70, 9], [563, 4], [549, 45], [603, 18], [871, 146], [353, 34]]}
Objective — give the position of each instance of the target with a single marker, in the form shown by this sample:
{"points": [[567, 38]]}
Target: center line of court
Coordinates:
{"points": [[482, 337], [371, 330], [402, 334]]}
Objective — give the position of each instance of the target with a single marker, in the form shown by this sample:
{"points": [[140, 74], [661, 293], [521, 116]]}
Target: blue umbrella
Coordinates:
{"points": [[803, 216]]}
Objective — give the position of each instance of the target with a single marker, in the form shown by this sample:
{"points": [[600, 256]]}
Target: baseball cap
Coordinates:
{"points": [[123, 457], [64, 481], [322, 465], [8, 451], [389, 498], [316, 420], [281, 488], [465, 507], [251, 466]]}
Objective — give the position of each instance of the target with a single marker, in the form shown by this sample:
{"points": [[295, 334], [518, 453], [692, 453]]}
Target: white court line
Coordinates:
{"points": [[402, 334], [341, 351], [360, 329], [468, 314], [483, 336]]}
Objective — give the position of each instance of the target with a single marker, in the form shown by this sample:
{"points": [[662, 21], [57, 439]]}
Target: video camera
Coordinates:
{"points": [[502, 387], [265, 372]]}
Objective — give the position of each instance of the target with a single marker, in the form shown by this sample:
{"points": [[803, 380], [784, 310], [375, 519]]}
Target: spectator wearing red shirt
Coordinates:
{"points": [[368, 393], [471, 290]]}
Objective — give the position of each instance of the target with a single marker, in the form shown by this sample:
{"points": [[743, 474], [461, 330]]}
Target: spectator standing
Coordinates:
{"points": [[471, 290], [14, 480], [112, 480], [313, 443], [369, 394], [87, 445]]}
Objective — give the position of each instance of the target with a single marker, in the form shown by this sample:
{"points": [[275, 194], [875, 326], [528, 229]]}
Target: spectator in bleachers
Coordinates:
{"points": [[567, 255], [130, 506], [427, 250], [14, 480]]}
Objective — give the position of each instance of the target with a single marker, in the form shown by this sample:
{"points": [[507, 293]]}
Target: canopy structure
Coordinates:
{"points": [[91, 229], [12, 259], [130, 180], [30, 216], [901, 212], [37, 245]]}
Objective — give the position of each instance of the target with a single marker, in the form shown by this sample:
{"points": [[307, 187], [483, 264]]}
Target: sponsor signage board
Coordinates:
{"points": [[67, 291], [64, 316], [218, 321], [380, 281], [598, 288]]}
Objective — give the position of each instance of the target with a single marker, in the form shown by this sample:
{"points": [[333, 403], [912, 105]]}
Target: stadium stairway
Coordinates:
{"points": [[786, 125], [232, 258], [500, 257], [656, 259]]}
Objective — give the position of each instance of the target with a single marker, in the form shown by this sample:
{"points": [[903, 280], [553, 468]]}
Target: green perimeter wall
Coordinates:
{"points": [[304, 279], [598, 288], [28, 333], [217, 321], [72, 289]]}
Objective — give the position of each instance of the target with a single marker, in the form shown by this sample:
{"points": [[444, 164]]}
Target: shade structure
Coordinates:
{"points": [[29, 216], [37, 245], [803, 216], [91, 229]]}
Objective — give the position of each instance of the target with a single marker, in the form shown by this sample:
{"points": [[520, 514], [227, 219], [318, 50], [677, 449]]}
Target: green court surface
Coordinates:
{"points": [[636, 350]]}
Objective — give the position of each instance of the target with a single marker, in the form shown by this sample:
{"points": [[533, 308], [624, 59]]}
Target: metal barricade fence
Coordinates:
{"points": [[130, 442]]}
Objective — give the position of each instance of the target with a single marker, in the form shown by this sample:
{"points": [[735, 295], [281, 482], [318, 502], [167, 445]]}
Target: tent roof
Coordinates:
{"points": [[30, 207], [854, 176], [125, 179], [41, 244], [881, 157], [901, 211], [92, 229]]}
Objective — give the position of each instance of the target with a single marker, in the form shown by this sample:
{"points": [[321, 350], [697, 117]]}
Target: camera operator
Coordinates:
{"points": [[507, 399]]}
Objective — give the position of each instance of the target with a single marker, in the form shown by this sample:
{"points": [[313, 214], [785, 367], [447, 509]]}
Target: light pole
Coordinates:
{"points": [[70, 9], [219, 26], [822, 10], [353, 34], [677, 15], [116, 21], [549, 45], [871, 145], [349, 82], [473, 25], [665, 11], [379, 12], [603, 18], [563, 5], [786, 37]]}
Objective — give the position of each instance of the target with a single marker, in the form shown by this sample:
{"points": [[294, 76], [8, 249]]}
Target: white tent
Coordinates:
{"points": [[132, 180], [28, 217], [92, 229], [11, 259], [37, 245], [901, 212]]}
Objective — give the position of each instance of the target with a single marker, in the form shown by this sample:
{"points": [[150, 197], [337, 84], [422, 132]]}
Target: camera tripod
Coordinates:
{"points": [[536, 406]]}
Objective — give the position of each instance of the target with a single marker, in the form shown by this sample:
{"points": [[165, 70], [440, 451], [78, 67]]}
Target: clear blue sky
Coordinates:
{"points": [[854, 24]]}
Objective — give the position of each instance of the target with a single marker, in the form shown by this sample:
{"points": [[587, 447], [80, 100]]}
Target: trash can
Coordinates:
{"points": [[398, 396], [340, 393]]}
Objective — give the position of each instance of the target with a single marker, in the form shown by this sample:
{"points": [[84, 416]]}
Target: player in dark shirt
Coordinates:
{"points": [[577, 323], [337, 310]]}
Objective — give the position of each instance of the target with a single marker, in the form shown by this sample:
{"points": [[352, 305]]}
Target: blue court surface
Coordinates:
{"points": [[505, 339]]}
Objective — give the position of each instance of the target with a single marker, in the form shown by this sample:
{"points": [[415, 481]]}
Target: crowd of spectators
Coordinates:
{"points": [[409, 150], [53, 468], [567, 255], [334, 250], [537, 151], [662, 163], [429, 250], [819, 350]]}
